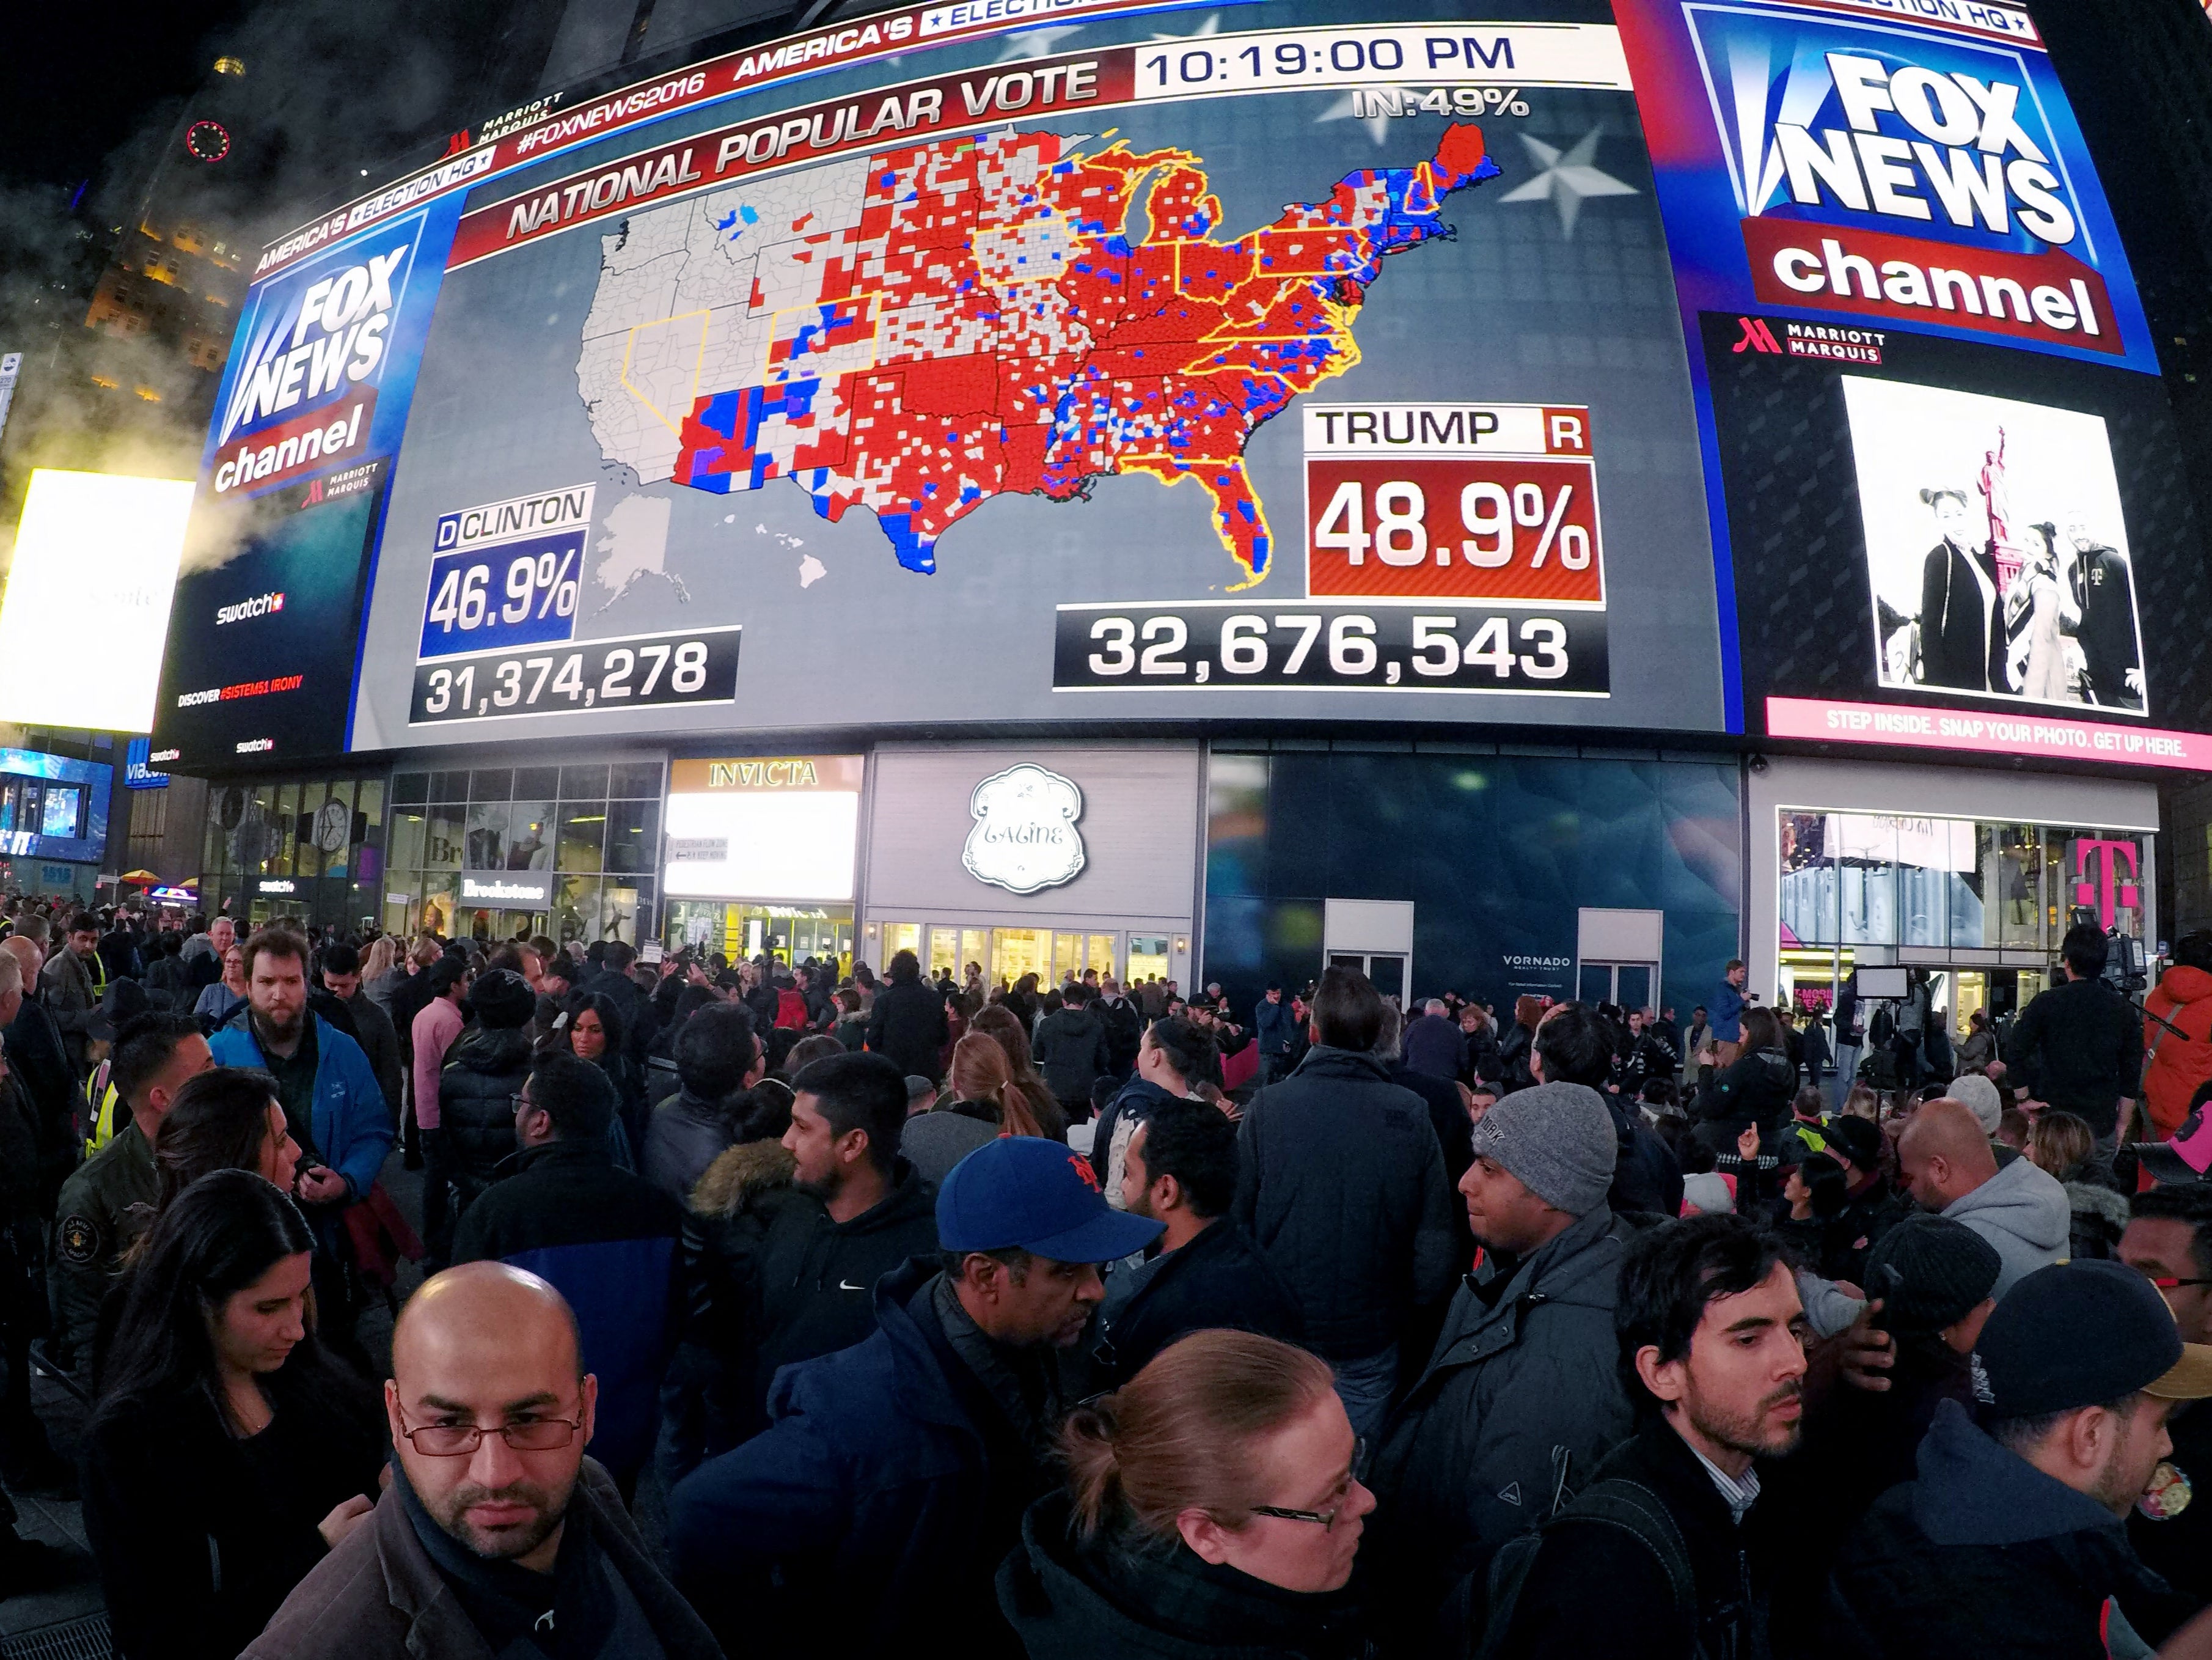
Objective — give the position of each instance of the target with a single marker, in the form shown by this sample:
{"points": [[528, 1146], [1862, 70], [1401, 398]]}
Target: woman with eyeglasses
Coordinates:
{"points": [[226, 1451], [1213, 1505]]}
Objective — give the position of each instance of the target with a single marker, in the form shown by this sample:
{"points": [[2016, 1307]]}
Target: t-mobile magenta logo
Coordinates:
{"points": [[2097, 876]]}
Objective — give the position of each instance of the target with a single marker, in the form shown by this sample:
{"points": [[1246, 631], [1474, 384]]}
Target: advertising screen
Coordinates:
{"points": [[260, 661], [53, 807], [1316, 359], [310, 411], [93, 551], [1941, 465]]}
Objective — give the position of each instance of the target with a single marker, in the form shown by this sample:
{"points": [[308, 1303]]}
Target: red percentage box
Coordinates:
{"points": [[1460, 527]]}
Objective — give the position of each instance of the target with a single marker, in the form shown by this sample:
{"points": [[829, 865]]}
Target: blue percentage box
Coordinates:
{"points": [[518, 593]]}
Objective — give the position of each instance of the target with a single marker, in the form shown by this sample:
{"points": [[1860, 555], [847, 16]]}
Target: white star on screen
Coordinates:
{"points": [[1566, 178]]}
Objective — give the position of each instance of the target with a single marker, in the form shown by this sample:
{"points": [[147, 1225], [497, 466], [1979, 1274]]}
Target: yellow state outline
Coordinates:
{"points": [[876, 309], [698, 364]]}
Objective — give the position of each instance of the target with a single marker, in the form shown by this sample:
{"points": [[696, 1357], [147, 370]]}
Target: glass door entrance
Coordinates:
{"points": [[1386, 971], [1005, 954], [1628, 985]]}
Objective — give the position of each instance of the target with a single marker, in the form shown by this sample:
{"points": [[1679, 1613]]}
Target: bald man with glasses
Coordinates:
{"points": [[495, 1530]]}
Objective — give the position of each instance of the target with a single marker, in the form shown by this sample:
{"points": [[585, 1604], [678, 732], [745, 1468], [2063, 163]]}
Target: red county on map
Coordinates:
{"points": [[924, 329]]}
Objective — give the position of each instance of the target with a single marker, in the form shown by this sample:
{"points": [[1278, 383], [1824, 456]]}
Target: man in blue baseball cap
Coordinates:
{"points": [[871, 1515]]}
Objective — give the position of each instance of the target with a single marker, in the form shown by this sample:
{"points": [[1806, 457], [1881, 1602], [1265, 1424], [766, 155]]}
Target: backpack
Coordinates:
{"points": [[1616, 1502]]}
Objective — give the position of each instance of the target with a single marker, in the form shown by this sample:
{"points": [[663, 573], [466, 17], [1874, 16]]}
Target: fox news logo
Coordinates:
{"points": [[324, 331], [245, 610], [1904, 142]]}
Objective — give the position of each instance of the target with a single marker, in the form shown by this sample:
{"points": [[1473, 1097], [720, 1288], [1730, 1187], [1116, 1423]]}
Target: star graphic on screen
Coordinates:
{"points": [[1566, 178], [1347, 108], [1037, 43]]}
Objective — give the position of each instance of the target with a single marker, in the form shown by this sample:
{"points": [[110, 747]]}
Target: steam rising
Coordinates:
{"points": [[331, 90]]}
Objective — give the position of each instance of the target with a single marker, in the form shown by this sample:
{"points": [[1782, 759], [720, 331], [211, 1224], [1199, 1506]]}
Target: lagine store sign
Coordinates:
{"points": [[2033, 737]]}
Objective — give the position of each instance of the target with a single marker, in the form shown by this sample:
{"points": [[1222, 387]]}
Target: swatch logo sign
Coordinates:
{"points": [[259, 605], [1909, 175]]}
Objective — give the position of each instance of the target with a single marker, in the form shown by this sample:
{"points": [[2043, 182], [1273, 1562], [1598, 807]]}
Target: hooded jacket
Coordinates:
{"points": [[1519, 1403], [1756, 1089], [1986, 1554], [2023, 1212], [485, 1071], [1340, 1184], [887, 1488], [771, 1281], [1070, 1050], [2180, 1061], [1067, 1601]]}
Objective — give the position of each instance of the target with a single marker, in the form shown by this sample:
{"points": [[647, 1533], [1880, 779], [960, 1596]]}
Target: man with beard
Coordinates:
{"points": [[1180, 1170], [2014, 1540], [1653, 1559], [332, 1104], [852, 1210], [495, 1531]]}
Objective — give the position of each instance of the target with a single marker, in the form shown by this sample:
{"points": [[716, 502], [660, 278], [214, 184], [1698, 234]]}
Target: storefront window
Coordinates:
{"points": [[1017, 951], [901, 936], [1896, 883], [323, 837], [1148, 958], [521, 819]]}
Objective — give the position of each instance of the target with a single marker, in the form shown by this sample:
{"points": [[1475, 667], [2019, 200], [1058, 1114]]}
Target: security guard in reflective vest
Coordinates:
{"points": [[109, 1202]]}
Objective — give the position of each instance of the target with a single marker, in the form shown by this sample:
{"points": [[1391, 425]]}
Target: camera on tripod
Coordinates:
{"points": [[2126, 971]]}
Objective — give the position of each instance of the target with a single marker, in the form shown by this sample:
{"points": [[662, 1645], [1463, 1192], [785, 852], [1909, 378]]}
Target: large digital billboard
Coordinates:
{"points": [[1940, 463], [96, 549], [1311, 359], [1164, 363]]}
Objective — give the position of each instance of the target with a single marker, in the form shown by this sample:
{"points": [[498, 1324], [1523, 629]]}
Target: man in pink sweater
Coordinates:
{"points": [[436, 1029]]}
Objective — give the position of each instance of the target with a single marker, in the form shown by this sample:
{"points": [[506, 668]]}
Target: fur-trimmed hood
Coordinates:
{"points": [[739, 1174]]}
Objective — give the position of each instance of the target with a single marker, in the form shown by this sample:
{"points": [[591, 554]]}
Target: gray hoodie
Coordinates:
{"points": [[2023, 1212]]}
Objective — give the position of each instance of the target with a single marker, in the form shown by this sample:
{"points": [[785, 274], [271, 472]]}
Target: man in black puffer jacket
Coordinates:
{"points": [[485, 1071], [1071, 1049], [1341, 1188]]}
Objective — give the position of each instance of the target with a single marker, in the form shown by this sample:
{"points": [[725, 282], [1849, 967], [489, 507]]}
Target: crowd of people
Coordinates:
{"points": [[773, 1309]]}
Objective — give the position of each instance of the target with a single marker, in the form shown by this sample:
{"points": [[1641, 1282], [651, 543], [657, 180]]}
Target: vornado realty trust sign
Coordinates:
{"points": [[1025, 836]]}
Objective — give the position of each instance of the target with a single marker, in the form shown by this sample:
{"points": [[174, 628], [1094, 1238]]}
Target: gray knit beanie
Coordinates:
{"points": [[1556, 1140]]}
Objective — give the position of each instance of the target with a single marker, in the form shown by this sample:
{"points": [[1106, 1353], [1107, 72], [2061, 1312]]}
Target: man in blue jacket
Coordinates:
{"points": [[332, 1104], [603, 1238], [1729, 1002], [1276, 1030], [871, 1516]]}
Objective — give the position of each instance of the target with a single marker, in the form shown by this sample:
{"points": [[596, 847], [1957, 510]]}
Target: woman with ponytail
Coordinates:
{"points": [[1214, 1506], [982, 1105]]}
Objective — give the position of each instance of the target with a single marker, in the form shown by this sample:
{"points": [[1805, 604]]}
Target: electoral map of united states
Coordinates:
{"points": [[926, 329]]}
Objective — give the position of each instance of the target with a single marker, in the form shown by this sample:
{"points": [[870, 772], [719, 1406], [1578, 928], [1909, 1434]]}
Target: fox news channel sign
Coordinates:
{"points": [[1872, 201]]}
